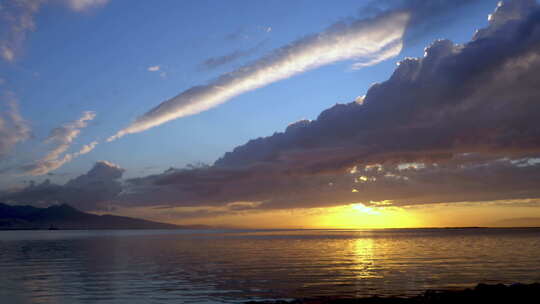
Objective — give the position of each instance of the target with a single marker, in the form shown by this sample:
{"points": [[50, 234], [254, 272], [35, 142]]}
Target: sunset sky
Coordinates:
{"points": [[274, 114]]}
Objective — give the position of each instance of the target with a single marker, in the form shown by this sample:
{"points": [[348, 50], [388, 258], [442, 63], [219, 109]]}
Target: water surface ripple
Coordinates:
{"points": [[198, 266]]}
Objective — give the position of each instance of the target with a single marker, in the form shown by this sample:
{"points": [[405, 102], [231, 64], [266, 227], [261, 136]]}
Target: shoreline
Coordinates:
{"points": [[483, 293]]}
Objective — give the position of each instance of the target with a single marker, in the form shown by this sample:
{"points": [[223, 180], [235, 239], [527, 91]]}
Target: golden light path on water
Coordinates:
{"points": [[364, 258]]}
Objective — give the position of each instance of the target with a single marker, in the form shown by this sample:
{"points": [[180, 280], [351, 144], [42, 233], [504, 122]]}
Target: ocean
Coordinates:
{"points": [[233, 266]]}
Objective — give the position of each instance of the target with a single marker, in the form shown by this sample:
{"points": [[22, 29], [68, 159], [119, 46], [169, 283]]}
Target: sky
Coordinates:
{"points": [[274, 114]]}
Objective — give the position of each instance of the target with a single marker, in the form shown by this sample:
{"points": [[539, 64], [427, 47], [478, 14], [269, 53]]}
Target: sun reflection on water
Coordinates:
{"points": [[363, 253]]}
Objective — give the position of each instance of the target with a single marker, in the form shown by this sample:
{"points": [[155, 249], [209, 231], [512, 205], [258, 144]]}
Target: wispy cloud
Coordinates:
{"points": [[389, 51], [62, 137], [214, 62], [160, 70], [13, 128], [359, 39], [17, 21], [237, 35], [82, 5], [87, 148], [153, 68]]}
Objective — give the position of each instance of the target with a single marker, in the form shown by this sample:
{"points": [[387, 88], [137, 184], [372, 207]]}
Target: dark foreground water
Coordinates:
{"points": [[233, 266]]}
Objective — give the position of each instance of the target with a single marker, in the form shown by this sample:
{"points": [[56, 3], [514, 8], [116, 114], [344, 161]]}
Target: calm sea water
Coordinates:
{"points": [[234, 266]]}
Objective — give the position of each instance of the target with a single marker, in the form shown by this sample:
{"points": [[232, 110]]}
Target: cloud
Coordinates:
{"points": [[432, 105], [87, 148], [83, 5], [13, 128], [157, 68], [62, 137], [423, 13], [17, 21], [69, 131], [153, 68], [389, 51], [215, 62], [459, 124], [344, 41], [90, 191], [237, 35]]}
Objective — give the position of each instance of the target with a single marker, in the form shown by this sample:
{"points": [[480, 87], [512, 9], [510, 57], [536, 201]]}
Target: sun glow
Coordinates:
{"points": [[363, 208], [361, 216]]}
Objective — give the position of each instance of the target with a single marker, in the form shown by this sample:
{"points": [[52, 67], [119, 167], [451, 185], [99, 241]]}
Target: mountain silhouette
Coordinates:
{"points": [[66, 217]]}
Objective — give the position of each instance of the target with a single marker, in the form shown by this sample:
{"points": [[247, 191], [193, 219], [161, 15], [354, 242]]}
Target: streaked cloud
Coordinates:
{"points": [[215, 62], [87, 148], [390, 51], [237, 35], [153, 68], [82, 5], [390, 18], [17, 20], [62, 137], [359, 39], [13, 128]]}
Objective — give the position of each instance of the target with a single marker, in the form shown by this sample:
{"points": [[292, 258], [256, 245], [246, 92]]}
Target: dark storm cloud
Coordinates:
{"points": [[467, 112], [89, 191]]}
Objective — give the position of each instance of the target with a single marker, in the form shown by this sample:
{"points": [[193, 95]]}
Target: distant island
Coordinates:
{"points": [[15, 217]]}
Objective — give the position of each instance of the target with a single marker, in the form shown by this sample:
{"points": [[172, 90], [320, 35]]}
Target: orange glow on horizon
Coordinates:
{"points": [[357, 216], [376, 215]]}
